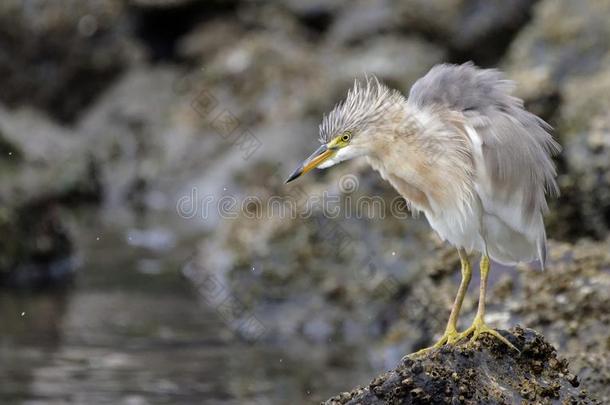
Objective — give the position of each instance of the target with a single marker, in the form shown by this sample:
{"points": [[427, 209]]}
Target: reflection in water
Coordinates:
{"points": [[123, 334]]}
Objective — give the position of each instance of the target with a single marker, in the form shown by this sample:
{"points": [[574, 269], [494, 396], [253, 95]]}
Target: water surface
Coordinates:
{"points": [[131, 330]]}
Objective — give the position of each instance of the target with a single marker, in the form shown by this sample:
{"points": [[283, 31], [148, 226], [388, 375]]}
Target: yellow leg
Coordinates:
{"points": [[479, 326], [451, 334]]}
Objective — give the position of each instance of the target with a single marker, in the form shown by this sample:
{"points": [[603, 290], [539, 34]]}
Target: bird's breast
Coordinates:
{"points": [[414, 195]]}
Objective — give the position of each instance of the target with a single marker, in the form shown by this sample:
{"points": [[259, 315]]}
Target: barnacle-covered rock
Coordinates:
{"points": [[485, 372]]}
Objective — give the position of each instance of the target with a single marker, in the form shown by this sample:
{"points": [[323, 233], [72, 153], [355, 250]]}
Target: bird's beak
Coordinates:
{"points": [[313, 161]]}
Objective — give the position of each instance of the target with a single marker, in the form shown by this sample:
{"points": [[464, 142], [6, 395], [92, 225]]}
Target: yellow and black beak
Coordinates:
{"points": [[313, 161]]}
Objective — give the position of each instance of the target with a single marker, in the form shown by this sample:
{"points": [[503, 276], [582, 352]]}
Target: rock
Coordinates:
{"points": [[564, 39], [147, 148], [570, 305], [262, 77], [162, 3], [362, 20], [397, 60], [584, 128], [472, 29], [43, 160], [43, 167], [160, 24], [58, 56], [314, 7], [206, 40], [294, 275], [484, 372], [560, 62], [294, 263], [593, 370], [39, 250], [277, 72]]}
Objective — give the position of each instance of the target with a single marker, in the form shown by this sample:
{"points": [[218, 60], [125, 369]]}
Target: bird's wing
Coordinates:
{"points": [[515, 145]]}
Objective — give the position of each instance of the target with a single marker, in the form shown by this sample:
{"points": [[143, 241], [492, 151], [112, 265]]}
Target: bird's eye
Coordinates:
{"points": [[346, 136]]}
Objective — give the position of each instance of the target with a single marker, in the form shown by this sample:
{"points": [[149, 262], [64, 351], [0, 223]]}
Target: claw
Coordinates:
{"points": [[450, 337], [479, 327]]}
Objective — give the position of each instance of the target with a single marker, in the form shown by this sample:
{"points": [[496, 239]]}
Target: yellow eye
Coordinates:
{"points": [[347, 135]]}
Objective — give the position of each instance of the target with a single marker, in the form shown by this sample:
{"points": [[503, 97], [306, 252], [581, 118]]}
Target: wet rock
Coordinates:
{"points": [[397, 60], [483, 372], [570, 304], [294, 275], [161, 24], [277, 72], [277, 86], [473, 30], [305, 8], [584, 127], [559, 61], [162, 3], [305, 21], [563, 39], [332, 263], [147, 148], [39, 250], [262, 77], [362, 20], [43, 167], [206, 40], [593, 370], [43, 160], [58, 56]]}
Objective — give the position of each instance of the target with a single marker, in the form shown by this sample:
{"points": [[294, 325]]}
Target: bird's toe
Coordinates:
{"points": [[479, 327]]}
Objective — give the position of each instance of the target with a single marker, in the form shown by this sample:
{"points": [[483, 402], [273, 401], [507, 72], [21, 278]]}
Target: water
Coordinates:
{"points": [[131, 330]]}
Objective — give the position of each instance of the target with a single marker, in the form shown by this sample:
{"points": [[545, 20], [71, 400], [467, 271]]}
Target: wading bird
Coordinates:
{"points": [[464, 151]]}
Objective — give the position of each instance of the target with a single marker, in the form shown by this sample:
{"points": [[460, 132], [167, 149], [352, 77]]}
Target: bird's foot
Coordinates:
{"points": [[479, 327], [450, 337]]}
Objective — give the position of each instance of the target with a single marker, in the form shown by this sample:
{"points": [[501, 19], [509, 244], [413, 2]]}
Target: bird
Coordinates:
{"points": [[462, 149]]}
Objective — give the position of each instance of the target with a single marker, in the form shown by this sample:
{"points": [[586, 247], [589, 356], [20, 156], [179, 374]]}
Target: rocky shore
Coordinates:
{"points": [[144, 106], [486, 372]]}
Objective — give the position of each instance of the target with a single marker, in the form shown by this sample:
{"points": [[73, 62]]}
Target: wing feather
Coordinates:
{"points": [[516, 145]]}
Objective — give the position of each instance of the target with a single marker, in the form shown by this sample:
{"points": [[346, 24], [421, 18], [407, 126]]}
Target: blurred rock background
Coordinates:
{"points": [[120, 119]]}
